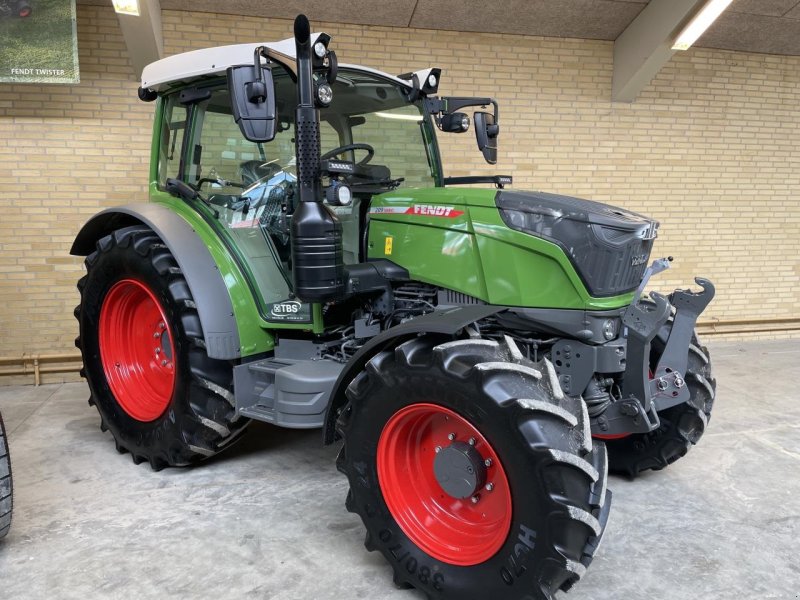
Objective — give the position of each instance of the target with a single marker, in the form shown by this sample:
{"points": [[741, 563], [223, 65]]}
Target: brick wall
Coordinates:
{"points": [[711, 149]]}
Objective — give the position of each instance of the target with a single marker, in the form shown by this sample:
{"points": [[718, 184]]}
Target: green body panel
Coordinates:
{"points": [[248, 307], [464, 245], [252, 334]]}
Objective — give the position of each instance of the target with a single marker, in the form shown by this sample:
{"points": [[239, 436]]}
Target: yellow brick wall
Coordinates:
{"points": [[711, 149]]}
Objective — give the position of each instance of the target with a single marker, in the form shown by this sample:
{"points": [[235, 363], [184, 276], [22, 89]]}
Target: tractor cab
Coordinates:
{"points": [[369, 123], [376, 135]]}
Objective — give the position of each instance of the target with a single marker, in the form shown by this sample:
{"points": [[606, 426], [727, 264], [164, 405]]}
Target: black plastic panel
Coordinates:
{"points": [[609, 246]]}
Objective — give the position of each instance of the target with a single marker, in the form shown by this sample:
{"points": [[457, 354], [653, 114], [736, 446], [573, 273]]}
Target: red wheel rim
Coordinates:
{"points": [[136, 350], [456, 531], [610, 436]]}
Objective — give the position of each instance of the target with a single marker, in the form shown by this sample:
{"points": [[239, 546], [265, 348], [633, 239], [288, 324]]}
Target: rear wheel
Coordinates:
{"points": [[6, 488], [156, 389], [681, 427], [474, 475]]}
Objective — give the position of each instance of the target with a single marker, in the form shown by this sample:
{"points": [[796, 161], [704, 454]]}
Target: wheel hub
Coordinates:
{"points": [[460, 470]]}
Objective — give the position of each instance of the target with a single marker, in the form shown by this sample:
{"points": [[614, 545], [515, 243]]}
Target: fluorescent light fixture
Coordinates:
{"points": [[126, 7], [398, 117], [701, 21]]}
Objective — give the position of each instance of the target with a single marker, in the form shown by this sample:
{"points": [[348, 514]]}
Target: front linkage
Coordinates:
{"points": [[647, 391]]}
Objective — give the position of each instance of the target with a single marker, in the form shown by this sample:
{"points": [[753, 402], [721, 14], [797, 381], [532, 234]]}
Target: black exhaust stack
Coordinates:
{"points": [[317, 259]]}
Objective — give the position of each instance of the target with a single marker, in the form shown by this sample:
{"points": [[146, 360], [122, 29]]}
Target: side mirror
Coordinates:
{"points": [[252, 95], [486, 132], [456, 122]]}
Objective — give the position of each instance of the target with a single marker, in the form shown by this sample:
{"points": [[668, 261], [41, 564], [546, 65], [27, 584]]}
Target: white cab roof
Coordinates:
{"points": [[214, 61]]}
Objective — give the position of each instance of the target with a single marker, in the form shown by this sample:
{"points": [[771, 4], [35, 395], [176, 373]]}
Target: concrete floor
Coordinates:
{"points": [[268, 521]]}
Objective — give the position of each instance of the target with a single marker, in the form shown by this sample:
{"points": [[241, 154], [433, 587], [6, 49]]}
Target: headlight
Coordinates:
{"points": [[610, 329]]}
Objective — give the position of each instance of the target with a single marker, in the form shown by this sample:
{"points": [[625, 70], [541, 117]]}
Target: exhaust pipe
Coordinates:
{"points": [[317, 260]]}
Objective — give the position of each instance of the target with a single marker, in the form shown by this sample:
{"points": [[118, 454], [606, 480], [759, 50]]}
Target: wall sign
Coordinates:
{"points": [[38, 41]]}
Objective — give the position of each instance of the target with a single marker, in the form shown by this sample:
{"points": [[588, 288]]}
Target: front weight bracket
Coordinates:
{"points": [[668, 385], [642, 320]]}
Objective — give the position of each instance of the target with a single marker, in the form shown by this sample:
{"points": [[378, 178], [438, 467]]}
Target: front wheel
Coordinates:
{"points": [[159, 393], [474, 475]]}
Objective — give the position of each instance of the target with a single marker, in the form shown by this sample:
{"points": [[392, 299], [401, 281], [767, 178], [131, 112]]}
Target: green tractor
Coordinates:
{"points": [[484, 355], [6, 487]]}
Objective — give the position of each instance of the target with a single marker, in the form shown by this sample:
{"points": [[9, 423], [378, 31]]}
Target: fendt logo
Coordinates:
{"points": [[283, 309], [427, 210], [638, 260], [434, 211]]}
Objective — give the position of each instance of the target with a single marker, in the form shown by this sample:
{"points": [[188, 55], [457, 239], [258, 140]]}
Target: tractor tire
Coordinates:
{"points": [[6, 487], [474, 475], [681, 427], [156, 389]]}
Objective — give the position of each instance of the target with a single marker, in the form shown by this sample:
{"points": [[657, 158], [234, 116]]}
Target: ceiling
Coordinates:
{"points": [[763, 26]]}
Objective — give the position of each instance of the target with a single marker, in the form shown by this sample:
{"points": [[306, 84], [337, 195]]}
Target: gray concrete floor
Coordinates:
{"points": [[267, 520]]}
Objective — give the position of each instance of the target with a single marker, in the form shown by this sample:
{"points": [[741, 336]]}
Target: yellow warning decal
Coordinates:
{"points": [[387, 248]]}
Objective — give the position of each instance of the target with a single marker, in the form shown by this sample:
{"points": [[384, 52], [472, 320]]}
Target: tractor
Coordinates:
{"points": [[484, 355], [6, 488]]}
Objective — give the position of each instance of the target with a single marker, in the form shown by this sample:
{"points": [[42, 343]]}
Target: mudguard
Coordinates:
{"points": [[202, 274], [446, 322]]}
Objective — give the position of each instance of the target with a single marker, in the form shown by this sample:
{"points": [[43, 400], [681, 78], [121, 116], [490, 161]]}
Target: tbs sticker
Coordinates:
{"points": [[290, 310]]}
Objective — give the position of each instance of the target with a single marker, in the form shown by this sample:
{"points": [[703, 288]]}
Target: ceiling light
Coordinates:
{"points": [[126, 7], [701, 21], [398, 117]]}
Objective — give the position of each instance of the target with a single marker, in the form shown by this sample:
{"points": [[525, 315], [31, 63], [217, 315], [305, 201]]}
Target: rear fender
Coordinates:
{"points": [[210, 293]]}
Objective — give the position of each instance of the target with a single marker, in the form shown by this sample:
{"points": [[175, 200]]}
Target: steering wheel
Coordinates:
{"points": [[348, 147]]}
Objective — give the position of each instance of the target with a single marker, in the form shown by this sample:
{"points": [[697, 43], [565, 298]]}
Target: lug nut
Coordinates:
{"points": [[158, 350], [476, 498], [489, 487], [488, 462], [438, 449], [472, 441], [156, 335], [451, 437], [162, 325], [163, 363]]}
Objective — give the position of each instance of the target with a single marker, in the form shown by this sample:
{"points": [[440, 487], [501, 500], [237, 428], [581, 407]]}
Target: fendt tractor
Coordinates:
{"points": [[484, 355], [6, 487]]}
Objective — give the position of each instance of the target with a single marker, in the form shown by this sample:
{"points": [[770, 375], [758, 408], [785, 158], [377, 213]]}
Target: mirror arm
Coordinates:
{"points": [[257, 90], [450, 104]]}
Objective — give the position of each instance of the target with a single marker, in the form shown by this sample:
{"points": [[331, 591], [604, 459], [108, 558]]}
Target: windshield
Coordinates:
{"points": [[369, 113]]}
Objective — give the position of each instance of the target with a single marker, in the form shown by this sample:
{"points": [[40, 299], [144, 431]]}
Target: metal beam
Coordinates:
{"points": [[143, 35], [645, 46]]}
